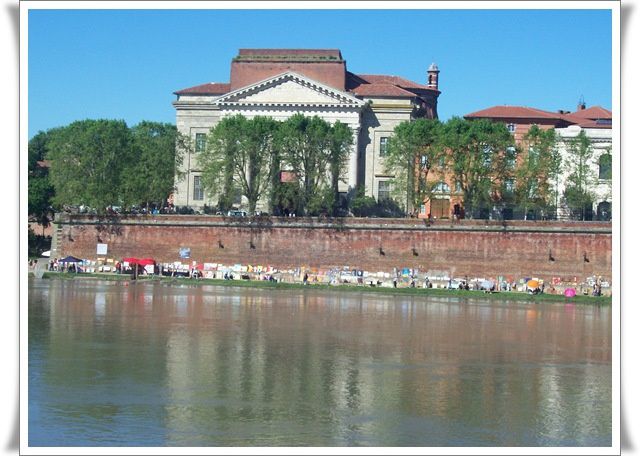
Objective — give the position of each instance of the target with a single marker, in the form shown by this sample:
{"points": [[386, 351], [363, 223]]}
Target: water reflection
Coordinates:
{"points": [[158, 364]]}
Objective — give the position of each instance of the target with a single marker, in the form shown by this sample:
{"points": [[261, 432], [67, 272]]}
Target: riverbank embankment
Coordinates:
{"points": [[339, 288], [556, 252]]}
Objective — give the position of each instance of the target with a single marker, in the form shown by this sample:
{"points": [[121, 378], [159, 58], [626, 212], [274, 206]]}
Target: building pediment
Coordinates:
{"points": [[289, 89]]}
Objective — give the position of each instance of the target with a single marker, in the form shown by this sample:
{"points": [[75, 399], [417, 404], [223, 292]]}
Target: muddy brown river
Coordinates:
{"points": [[155, 364]]}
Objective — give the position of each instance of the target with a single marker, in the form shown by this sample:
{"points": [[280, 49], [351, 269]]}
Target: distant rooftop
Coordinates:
{"points": [[246, 69], [284, 55], [593, 117]]}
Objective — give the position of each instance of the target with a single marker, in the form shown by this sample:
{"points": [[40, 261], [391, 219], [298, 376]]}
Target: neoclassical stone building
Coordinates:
{"points": [[282, 82]]}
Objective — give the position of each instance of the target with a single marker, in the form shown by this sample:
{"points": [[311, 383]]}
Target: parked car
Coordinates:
{"points": [[237, 213]]}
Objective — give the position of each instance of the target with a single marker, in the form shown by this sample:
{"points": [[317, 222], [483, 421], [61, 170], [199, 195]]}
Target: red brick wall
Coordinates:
{"points": [[474, 248], [246, 73]]}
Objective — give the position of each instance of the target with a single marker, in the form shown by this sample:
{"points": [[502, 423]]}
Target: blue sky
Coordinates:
{"points": [[126, 64]]}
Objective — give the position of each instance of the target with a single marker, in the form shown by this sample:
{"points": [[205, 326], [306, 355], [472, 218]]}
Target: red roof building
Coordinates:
{"points": [[323, 65], [520, 118], [595, 121], [281, 82]]}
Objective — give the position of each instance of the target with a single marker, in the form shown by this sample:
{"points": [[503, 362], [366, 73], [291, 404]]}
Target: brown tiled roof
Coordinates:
{"points": [[395, 80], [592, 113], [588, 118], [588, 123], [382, 90], [515, 112], [211, 88], [384, 85]]}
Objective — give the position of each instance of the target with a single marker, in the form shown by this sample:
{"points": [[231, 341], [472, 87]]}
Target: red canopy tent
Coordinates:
{"points": [[140, 261]]}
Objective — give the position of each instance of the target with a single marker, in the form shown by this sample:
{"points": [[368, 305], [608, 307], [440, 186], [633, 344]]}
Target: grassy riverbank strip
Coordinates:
{"points": [[263, 284]]}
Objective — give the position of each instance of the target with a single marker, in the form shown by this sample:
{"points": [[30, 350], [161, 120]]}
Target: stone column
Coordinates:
{"points": [[353, 159]]}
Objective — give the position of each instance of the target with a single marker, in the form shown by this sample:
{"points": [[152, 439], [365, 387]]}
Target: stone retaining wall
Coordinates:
{"points": [[476, 248]]}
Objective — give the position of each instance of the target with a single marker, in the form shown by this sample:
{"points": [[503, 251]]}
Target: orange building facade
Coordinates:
{"points": [[447, 201]]}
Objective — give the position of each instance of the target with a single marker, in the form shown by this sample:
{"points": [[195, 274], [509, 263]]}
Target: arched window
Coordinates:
{"points": [[441, 187], [604, 165]]}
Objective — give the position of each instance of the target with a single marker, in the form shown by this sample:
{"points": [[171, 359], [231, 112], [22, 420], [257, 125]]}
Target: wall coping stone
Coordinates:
{"points": [[374, 224]]}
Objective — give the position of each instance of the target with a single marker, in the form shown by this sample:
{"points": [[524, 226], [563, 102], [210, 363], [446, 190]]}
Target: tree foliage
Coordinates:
{"points": [[537, 171], [38, 151], [477, 158], [578, 193], [40, 189], [87, 162], [100, 163], [367, 206], [158, 152], [304, 143], [40, 197], [415, 153], [239, 155], [340, 142]]}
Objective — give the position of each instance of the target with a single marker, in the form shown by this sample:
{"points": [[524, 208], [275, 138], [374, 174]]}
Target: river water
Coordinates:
{"points": [[156, 364]]}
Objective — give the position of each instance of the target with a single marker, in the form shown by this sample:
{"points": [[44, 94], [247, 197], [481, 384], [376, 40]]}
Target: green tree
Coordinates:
{"points": [[40, 195], [286, 198], [537, 172], [304, 144], [340, 142], [239, 154], [322, 202], [414, 153], [477, 157], [223, 141], [38, 151], [87, 162], [578, 192], [362, 205], [159, 150], [40, 190]]}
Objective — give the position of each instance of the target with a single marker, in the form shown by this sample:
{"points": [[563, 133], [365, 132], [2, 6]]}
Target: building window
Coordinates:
{"points": [[604, 166], [384, 190], [533, 155], [198, 191], [201, 142], [458, 187], [511, 127], [441, 187], [508, 185], [511, 157], [486, 156], [384, 146]]}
